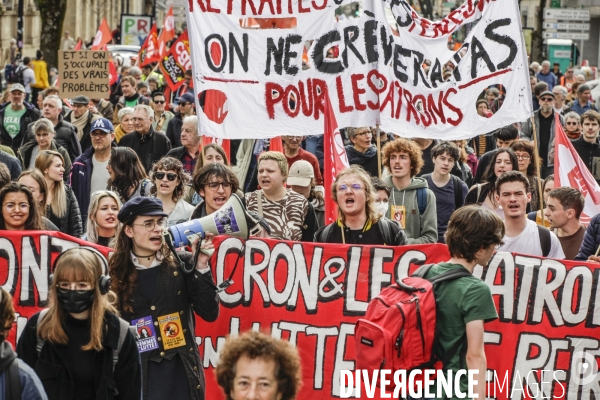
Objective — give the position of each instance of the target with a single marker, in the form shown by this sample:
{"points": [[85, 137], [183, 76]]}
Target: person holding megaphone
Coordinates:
{"points": [[156, 291]]}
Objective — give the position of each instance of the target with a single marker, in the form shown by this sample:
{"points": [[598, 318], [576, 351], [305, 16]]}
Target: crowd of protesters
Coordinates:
{"points": [[117, 171]]}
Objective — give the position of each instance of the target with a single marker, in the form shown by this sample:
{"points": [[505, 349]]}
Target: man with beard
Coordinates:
{"points": [[521, 234], [545, 129], [293, 152], [587, 145]]}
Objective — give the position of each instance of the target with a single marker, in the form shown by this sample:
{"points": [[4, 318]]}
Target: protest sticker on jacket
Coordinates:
{"points": [[174, 64], [370, 74], [312, 295]]}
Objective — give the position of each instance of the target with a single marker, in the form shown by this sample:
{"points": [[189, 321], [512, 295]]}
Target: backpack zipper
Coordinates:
{"points": [[400, 337]]}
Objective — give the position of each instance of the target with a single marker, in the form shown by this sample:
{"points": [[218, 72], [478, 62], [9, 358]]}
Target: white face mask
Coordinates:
{"points": [[381, 207]]}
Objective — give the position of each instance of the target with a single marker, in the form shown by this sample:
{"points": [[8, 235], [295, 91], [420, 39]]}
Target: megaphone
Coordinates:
{"points": [[232, 219]]}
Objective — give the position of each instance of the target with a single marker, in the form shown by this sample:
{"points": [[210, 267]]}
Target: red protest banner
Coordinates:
{"points": [[312, 294], [176, 62]]}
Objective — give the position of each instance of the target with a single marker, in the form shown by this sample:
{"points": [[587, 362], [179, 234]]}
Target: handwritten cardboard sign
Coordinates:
{"points": [[84, 72]]}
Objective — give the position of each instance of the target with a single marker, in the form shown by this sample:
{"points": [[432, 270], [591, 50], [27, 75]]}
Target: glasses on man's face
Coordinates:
{"points": [[354, 187], [136, 119], [215, 185], [10, 207], [159, 102], [161, 175], [183, 104], [64, 286], [548, 99], [99, 133], [150, 225]]}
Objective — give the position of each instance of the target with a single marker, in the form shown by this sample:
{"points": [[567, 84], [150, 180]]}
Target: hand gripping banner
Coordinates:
{"points": [[370, 74]]}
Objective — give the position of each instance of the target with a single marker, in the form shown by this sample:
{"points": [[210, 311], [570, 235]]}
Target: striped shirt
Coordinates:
{"points": [[285, 217]]}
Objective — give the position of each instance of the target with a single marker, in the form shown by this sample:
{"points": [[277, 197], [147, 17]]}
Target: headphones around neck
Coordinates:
{"points": [[104, 281]]}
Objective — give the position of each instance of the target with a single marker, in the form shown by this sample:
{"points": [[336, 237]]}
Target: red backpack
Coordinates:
{"points": [[399, 329]]}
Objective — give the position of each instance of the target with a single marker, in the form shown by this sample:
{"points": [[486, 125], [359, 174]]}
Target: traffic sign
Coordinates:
{"points": [[567, 35], [566, 26], [567, 14]]}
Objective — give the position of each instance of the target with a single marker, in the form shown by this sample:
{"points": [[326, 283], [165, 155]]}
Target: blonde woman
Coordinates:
{"points": [[61, 205], [87, 351], [102, 222]]}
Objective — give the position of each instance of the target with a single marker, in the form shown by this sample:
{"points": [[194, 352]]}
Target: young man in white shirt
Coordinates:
{"points": [[523, 235]]}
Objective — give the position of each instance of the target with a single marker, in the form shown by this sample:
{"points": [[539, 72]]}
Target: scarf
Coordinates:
{"points": [[356, 157], [80, 123], [7, 355]]}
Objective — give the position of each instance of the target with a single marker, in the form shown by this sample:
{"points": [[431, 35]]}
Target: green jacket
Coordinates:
{"points": [[419, 229]]}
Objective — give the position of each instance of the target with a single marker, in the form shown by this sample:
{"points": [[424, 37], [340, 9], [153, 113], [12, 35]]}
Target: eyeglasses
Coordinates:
{"points": [[160, 176], [523, 157], [150, 225], [43, 135], [64, 286], [183, 104], [352, 187], [571, 123], [215, 185], [363, 133], [99, 133], [547, 99], [10, 207], [159, 102]]}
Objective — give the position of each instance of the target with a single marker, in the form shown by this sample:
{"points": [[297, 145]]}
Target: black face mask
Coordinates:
{"points": [[73, 301]]}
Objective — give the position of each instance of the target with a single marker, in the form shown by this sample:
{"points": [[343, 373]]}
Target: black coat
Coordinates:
{"points": [[86, 139], [31, 115], [185, 294], [174, 130], [53, 366], [150, 147], [70, 223], [590, 155]]}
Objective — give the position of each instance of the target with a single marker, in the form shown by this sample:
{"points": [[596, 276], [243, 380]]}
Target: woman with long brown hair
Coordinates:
{"points": [[153, 285], [62, 208], [79, 347], [127, 174], [19, 209]]}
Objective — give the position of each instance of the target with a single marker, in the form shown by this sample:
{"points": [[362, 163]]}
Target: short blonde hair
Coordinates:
{"points": [[276, 156]]}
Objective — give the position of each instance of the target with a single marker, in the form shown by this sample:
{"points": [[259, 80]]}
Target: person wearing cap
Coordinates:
{"points": [[65, 132], [148, 144], [89, 170], [358, 221], [82, 117], [151, 284], [545, 130], [294, 152], [43, 130], [301, 179], [583, 102], [187, 107], [15, 117], [130, 97]]}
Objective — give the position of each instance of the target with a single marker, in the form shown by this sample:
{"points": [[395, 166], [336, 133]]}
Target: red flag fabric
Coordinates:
{"points": [[167, 32], [570, 170], [224, 143], [336, 159], [103, 36], [275, 144], [149, 51], [78, 45], [174, 64]]}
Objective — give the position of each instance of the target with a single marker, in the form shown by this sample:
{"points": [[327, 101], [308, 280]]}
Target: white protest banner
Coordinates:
{"points": [[256, 78]]}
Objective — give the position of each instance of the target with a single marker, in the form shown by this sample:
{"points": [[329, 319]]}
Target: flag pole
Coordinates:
{"points": [[378, 152], [536, 159]]}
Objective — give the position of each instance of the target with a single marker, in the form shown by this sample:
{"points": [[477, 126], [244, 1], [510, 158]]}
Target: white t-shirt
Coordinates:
{"points": [[528, 242], [100, 175]]}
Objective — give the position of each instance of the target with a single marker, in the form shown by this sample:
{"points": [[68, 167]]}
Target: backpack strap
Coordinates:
{"points": [[458, 193], [449, 276], [123, 328], [386, 231], [545, 240], [325, 233], [259, 203], [40, 341], [12, 382], [422, 200]]}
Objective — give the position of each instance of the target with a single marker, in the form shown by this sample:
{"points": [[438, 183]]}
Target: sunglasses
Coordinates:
{"points": [[183, 104], [159, 102], [546, 99], [571, 123], [170, 176]]}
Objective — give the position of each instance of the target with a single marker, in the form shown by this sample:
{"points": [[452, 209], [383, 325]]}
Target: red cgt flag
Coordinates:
{"points": [[571, 171], [174, 64], [167, 32], [149, 50], [336, 159], [103, 36]]}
